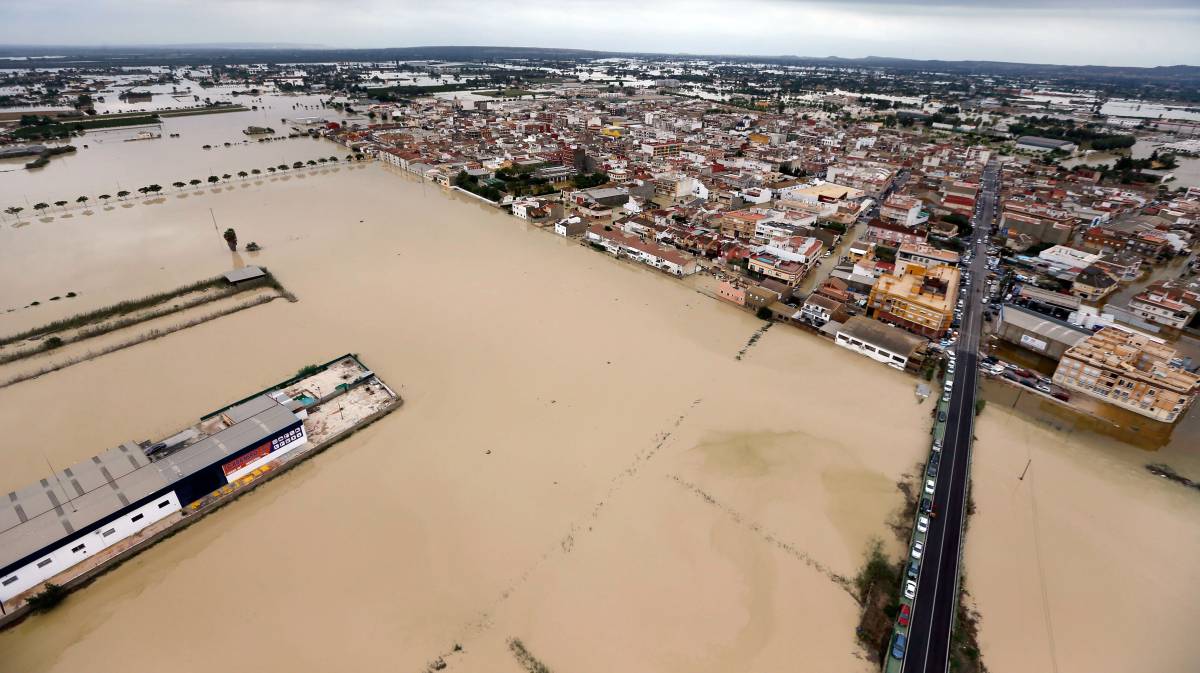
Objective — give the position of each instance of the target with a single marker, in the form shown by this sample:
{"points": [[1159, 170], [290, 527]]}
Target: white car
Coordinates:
{"points": [[910, 590], [917, 548], [929, 485], [922, 524], [950, 366]]}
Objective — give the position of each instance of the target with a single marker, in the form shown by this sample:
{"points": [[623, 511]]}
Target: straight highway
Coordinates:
{"points": [[928, 649]]}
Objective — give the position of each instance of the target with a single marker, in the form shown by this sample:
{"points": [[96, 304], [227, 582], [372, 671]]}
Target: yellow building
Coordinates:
{"points": [[918, 299], [1130, 370], [612, 131]]}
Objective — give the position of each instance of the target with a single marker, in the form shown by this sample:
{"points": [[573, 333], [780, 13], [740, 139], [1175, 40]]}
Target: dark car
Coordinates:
{"points": [[914, 569], [941, 417], [898, 646], [926, 504], [932, 470]]}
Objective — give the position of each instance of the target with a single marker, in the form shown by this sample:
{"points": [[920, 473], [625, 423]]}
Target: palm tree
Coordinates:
{"points": [[61, 204], [122, 194], [14, 210], [178, 185], [231, 239], [322, 160], [334, 158], [310, 162], [154, 189], [255, 171], [242, 174], [226, 176], [270, 169], [40, 206], [82, 199], [143, 190], [213, 179], [193, 182], [104, 197], [282, 167]]}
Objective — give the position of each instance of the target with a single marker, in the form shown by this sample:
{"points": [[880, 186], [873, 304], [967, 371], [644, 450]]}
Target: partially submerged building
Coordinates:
{"points": [[880, 342], [1130, 370], [60, 521]]}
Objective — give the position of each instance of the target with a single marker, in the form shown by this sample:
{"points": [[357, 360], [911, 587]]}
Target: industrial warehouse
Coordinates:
{"points": [[77, 513]]}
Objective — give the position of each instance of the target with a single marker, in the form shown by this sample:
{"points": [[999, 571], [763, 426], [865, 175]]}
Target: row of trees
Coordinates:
{"points": [[179, 184]]}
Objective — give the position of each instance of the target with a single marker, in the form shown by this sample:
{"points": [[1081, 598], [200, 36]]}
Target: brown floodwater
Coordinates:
{"points": [[581, 462]]}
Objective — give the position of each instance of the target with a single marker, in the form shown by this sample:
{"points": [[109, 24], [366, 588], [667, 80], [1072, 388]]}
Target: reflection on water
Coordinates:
{"points": [[1175, 442]]}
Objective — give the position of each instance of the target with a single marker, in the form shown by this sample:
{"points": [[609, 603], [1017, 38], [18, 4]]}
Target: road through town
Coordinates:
{"points": [[934, 610]]}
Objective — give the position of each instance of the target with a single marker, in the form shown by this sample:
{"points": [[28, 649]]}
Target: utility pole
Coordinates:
{"points": [[1027, 464]]}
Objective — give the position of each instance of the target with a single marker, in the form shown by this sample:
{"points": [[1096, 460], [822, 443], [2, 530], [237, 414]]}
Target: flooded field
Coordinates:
{"points": [[1087, 564], [581, 462], [111, 162]]}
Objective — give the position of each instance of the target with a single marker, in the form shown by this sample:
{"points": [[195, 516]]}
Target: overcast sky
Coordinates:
{"points": [[1100, 32]]}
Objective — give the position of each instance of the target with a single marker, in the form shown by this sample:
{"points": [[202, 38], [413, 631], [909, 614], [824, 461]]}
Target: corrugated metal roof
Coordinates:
{"points": [[90, 491], [244, 273], [1041, 325]]}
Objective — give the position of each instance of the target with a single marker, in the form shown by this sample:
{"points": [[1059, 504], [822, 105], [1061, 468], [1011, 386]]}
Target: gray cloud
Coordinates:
{"points": [[1105, 32]]}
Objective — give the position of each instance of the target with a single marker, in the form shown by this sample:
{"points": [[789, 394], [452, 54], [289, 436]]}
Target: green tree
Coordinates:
{"points": [[122, 194], [40, 206], [82, 199], [104, 197], [231, 239], [212, 179], [14, 210], [194, 181], [255, 171], [178, 184], [61, 204], [242, 174]]}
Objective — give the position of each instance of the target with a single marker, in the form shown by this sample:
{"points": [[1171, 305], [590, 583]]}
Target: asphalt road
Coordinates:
{"points": [[928, 648]]}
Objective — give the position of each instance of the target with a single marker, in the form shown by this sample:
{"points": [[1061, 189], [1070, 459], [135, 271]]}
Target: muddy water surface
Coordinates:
{"points": [[581, 461]]}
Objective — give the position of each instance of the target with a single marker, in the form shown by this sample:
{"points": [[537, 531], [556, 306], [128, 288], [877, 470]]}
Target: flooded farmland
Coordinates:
{"points": [[581, 462]]}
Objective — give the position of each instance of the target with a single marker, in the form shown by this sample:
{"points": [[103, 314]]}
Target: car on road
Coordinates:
{"points": [[910, 592], [918, 548], [905, 615], [922, 524], [926, 504], [937, 446], [950, 366], [946, 396], [930, 485], [932, 470], [941, 417]]}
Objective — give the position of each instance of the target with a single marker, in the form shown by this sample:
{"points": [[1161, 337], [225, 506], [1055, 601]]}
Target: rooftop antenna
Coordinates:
{"points": [[69, 499]]}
